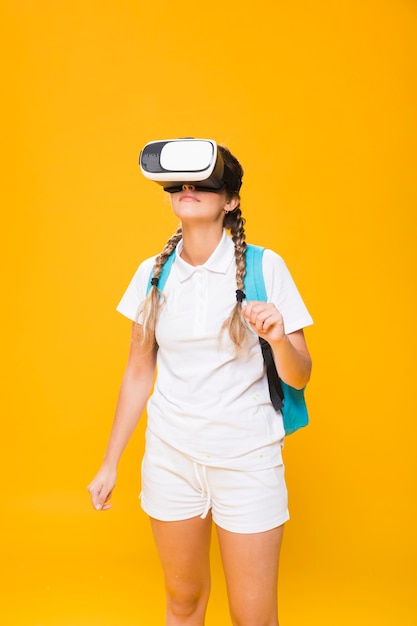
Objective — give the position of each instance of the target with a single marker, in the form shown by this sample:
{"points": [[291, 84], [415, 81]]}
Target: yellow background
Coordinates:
{"points": [[318, 100]]}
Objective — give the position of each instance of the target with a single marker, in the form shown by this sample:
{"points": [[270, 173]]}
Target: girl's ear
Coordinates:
{"points": [[232, 203]]}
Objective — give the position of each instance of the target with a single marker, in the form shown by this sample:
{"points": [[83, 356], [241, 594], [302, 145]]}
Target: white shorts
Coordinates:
{"points": [[174, 488]]}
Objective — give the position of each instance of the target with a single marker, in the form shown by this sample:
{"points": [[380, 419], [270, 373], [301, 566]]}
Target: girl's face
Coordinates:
{"points": [[201, 206]]}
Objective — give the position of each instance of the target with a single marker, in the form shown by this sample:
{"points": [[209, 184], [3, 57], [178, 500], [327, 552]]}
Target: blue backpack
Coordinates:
{"points": [[290, 401]]}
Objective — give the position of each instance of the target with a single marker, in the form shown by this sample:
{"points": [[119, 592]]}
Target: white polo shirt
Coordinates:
{"points": [[209, 402]]}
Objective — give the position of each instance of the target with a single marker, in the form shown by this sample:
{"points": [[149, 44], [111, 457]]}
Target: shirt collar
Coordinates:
{"points": [[218, 262]]}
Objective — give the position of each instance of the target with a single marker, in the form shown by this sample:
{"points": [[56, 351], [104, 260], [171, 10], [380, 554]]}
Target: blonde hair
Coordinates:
{"points": [[234, 222], [150, 306], [234, 324]]}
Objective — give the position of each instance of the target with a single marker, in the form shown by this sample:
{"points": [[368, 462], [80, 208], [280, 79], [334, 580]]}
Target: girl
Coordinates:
{"points": [[213, 439]]}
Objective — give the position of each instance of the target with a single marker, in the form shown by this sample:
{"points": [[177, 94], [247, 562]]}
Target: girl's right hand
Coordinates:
{"points": [[101, 488]]}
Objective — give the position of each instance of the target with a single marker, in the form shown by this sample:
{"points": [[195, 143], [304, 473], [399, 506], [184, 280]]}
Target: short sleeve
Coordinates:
{"points": [[282, 291], [136, 291]]}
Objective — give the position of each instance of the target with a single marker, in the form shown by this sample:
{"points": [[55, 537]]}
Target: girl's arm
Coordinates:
{"points": [[134, 391], [291, 354]]}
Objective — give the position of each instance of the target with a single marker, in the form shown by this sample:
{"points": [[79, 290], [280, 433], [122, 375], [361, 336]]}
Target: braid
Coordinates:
{"points": [[150, 306], [169, 248], [234, 323]]}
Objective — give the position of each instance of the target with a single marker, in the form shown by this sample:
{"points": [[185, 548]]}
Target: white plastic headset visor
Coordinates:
{"points": [[180, 160]]}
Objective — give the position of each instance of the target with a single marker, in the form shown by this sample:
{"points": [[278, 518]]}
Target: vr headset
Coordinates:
{"points": [[175, 162]]}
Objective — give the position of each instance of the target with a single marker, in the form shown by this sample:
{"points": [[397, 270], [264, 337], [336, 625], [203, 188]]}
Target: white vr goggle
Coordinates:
{"points": [[175, 162]]}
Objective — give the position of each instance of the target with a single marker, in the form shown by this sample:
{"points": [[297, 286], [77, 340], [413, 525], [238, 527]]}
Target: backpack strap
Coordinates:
{"points": [[255, 290], [254, 277], [166, 268]]}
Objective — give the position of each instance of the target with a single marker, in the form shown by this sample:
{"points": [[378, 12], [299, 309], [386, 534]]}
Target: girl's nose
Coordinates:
{"points": [[188, 187]]}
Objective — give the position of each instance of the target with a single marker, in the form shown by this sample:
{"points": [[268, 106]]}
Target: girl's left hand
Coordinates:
{"points": [[265, 319]]}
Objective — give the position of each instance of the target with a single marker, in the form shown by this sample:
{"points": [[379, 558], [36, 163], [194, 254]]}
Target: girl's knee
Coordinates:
{"points": [[185, 600], [245, 616]]}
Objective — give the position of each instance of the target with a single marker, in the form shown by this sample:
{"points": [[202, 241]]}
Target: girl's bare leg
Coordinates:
{"points": [[183, 549], [250, 564]]}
